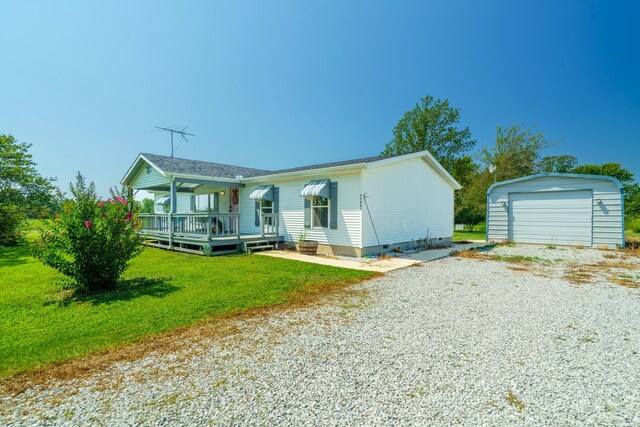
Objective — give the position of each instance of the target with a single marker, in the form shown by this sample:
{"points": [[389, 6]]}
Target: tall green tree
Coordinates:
{"points": [[147, 205], [562, 164], [431, 125], [466, 209], [515, 153], [23, 191], [470, 206]]}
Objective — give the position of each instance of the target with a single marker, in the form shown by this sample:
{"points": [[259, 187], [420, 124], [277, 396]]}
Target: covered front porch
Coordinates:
{"points": [[199, 214]]}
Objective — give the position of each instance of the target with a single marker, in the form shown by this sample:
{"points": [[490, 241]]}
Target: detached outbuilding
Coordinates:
{"points": [[557, 208]]}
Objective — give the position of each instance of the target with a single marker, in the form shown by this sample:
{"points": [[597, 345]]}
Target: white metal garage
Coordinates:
{"points": [[562, 209]]}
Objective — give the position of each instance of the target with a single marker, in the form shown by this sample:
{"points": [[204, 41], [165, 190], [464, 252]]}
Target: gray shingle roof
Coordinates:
{"points": [[174, 165], [332, 164]]}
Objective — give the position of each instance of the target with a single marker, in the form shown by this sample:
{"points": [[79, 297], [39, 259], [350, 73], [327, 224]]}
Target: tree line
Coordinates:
{"points": [[433, 125]]}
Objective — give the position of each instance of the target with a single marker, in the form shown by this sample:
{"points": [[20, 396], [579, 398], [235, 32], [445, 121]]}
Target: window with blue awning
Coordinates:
{"points": [[317, 188], [263, 192]]}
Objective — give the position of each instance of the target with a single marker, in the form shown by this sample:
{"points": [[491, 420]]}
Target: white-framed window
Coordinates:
{"points": [[266, 206], [202, 203], [319, 212]]}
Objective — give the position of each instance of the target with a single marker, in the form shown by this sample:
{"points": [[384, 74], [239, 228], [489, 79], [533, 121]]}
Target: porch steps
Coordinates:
{"points": [[260, 245]]}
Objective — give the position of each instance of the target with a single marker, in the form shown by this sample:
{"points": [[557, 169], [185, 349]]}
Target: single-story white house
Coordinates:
{"points": [[558, 209], [353, 207]]}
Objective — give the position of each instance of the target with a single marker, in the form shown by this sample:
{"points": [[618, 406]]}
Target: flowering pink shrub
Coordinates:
{"points": [[92, 241]]}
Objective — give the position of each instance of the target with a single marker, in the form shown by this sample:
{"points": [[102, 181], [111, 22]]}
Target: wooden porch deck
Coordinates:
{"points": [[207, 233]]}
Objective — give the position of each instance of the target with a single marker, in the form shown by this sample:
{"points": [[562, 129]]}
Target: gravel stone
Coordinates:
{"points": [[453, 341]]}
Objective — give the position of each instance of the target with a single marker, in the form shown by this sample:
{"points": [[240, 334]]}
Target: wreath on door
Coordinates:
{"points": [[234, 196]]}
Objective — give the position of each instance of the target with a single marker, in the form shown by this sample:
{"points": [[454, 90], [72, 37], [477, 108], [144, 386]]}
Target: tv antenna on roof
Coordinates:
{"points": [[182, 133]]}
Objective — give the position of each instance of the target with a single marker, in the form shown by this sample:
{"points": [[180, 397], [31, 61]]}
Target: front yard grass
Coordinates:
{"points": [[40, 323]]}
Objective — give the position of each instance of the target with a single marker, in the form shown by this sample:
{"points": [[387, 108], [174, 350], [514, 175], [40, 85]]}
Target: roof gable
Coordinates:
{"points": [[178, 166]]}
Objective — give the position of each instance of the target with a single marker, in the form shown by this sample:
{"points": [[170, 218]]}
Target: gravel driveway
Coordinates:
{"points": [[454, 341]]}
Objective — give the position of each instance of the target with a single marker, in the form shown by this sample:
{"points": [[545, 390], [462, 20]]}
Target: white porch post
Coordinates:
{"points": [[172, 210]]}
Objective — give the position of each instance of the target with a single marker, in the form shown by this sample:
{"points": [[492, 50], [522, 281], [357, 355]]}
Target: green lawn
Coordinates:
{"points": [[468, 235], [163, 291]]}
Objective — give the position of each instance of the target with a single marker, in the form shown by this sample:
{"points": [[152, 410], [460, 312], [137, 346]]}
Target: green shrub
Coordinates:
{"points": [[634, 225], [91, 241]]}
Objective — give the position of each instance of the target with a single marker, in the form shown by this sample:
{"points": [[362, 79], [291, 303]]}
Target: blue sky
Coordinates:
{"points": [[281, 84]]}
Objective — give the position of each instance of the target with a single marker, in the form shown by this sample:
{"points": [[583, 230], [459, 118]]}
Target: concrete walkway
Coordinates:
{"points": [[380, 266]]}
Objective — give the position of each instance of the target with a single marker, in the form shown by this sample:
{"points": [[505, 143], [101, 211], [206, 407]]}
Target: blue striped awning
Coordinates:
{"points": [[263, 192], [318, 188], [164, 200]]}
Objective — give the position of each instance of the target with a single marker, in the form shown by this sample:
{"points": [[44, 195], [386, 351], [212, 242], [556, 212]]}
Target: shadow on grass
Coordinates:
{"points": [[12, 256], [126, 290]]}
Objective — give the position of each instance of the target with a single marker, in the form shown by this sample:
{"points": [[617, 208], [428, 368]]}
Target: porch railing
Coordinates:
{"points": [[203, 225], [270, 224]]}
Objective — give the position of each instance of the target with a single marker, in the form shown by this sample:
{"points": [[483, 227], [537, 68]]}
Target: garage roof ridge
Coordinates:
{"points": [[558, 174]]}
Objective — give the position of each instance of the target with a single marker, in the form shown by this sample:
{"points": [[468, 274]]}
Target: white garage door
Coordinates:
{"points": [[556, 217]]}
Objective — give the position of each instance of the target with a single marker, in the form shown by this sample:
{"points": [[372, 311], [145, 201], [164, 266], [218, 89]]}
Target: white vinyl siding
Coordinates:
{"points": [[407, 200], [149, 180], [552, 217], [606, 222], [291, 210]]}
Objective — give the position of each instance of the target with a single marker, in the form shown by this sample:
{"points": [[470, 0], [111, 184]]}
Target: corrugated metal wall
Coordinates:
{"points": [[607, 216]]}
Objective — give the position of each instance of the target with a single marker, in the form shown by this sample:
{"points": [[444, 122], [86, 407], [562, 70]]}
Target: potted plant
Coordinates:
{"points": [[306, 247]]}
